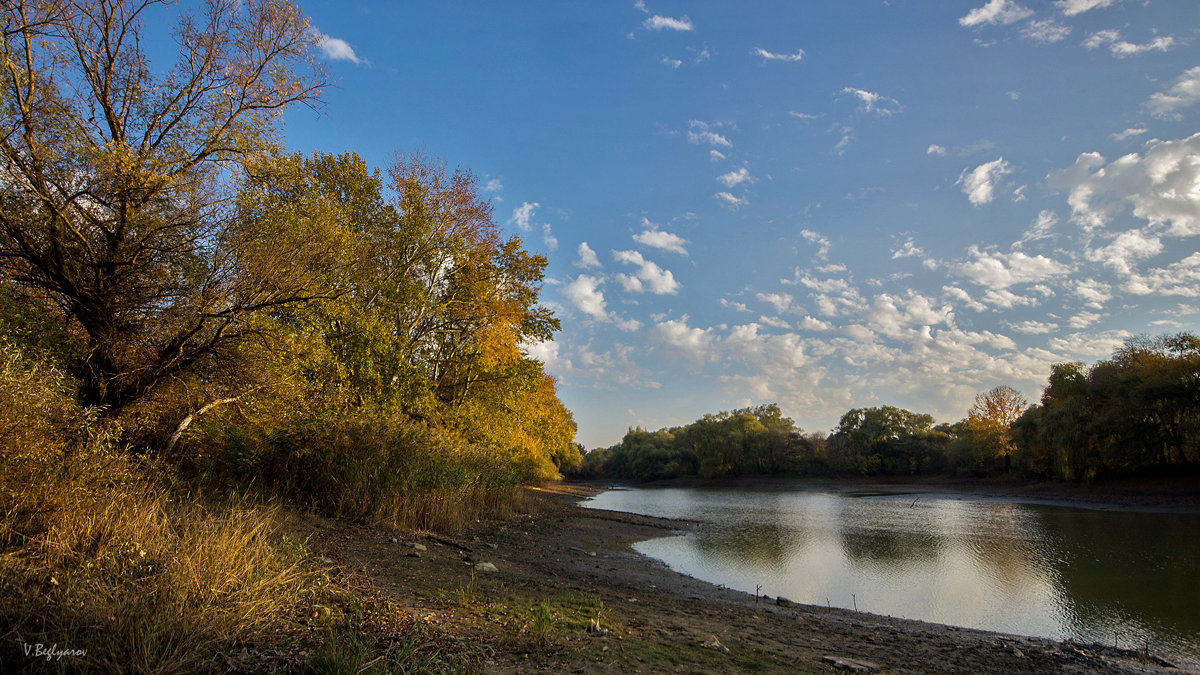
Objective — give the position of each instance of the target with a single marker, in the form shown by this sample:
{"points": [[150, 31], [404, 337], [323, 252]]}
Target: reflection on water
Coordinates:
{"points": [[1035, 570]]}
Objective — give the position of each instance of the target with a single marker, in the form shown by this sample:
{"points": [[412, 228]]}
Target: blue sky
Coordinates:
{"points": [[822, 204]]}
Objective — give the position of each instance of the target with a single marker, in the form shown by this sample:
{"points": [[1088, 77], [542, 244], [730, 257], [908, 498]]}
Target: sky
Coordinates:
{"points": [[823, 204]]}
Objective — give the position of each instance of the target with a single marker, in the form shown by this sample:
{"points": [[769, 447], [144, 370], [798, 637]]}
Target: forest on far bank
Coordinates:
{"points": [[1136, 413]]}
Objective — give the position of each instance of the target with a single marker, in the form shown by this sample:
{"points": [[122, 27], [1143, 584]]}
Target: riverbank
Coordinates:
{"points": [[557, 588]]}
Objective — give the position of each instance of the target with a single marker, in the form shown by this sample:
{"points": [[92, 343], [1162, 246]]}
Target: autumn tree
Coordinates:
{"points": [[988, 426], [116, 203]]}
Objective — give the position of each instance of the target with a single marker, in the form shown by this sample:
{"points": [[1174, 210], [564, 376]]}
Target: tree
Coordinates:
{"points": [[116, 199], [988, 425]]}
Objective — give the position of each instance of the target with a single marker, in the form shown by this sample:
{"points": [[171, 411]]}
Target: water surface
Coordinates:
{"points": [[1093, 576]]}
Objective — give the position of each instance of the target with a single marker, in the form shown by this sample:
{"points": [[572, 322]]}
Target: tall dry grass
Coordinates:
{"points": [[103, 561]]}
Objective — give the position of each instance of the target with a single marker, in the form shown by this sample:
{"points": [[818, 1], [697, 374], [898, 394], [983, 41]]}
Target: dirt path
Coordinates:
{"points": [[569, 595]]}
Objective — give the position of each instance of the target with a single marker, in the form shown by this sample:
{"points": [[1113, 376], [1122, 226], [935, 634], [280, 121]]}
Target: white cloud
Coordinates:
{"points": [[996, 12], [1006, 299], [775, 322], [587, 257], [1180, 278], [584, 292], [1128, 133], [655, 238], [739, 306], [874, 103], [1094, 292], [979, 184], [731, 200], [770, 56], [700, 133], [1127, 248], [999, 270], [1162, 186], [815, 324], [822, 243], [1040, 229], [1120, 48], [670, 63], [936, 149], [780, 301], [658, 22], [908, 250], [640, 6], [1034, 327], [736, 177], [1185, 92], [494, 185], [654, 278], [522, 216], [1083, 319], [1073, 7], [1046, 31], [715, 155], [956, 293], [336, 49], [691, 343]]}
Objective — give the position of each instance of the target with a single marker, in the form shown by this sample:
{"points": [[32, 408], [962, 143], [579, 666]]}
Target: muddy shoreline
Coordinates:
{"points": [[565, 592]]}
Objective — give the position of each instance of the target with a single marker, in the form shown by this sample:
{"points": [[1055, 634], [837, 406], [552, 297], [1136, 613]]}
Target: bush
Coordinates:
{"points": [[380, 469]]}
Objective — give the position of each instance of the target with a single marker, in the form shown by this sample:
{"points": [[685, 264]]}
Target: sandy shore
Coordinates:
{"points": [[565, 592]]}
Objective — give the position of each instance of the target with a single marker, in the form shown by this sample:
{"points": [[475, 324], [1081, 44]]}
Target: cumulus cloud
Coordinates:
{"points": [[979, 184], [1180, 278], [670, 63], [936, 149], [770, 56], [908, 250], [659, 23], [584, 292], [996, 12], [822, 243], [1128, 247], [736, 177], [1120, 48], [956, 293], [1046, 31], [873, 103], [1000, 270], [683, 340], [587, 257], [1094, 293], [494, 185], [1162, 186], [780, 301], [336, 49], [522, 216], [1033, 327], [701, 133], [731, 200], [655, 238], [1073, 7], [1185, 92], [649, 276]]}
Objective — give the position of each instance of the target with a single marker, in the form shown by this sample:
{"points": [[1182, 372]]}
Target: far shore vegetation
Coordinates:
{"points": [[206, 343], [1136, 414]]}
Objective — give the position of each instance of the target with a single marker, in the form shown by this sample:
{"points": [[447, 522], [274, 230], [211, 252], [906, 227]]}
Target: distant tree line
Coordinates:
{"points": [[1137, 413]]}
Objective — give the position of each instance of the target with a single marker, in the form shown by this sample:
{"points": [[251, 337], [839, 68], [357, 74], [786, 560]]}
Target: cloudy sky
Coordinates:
{"points": [[822, 204]]}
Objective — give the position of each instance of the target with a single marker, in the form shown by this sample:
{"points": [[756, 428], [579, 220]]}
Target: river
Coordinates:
{"points": [[1127, 578]]}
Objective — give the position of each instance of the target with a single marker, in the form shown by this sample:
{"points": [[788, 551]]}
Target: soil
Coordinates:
{"points": [[569, 595]]}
